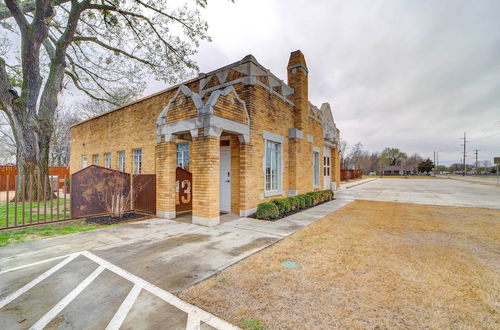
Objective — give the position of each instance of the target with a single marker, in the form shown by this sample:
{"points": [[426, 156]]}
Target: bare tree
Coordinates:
{"points": [[59, 143], [92, 45], [7, 142]]}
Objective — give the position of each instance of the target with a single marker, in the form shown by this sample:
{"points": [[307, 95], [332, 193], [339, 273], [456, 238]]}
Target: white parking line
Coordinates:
{"points": [[166, 296], [120, 315], [41, 323], [36, 263], [195, 314], [37, 280]]}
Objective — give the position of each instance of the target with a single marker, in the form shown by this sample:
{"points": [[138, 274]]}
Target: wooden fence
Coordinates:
{"points": [[11, 172], [346, 175]]}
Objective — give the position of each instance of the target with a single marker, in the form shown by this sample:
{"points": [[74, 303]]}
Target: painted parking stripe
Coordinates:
{"points": [[37, 280], [196, 312], [122, 312], [41, 323], [37, 263]]}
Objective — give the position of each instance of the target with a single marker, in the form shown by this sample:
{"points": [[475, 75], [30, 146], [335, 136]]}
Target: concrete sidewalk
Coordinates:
{"points": [[165, 254]]}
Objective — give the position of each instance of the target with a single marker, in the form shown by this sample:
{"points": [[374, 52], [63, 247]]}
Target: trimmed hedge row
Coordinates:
{"points": [[278, 207]]}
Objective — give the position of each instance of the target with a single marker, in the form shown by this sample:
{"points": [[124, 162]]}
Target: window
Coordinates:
{"points": [[316, 169], [121, 161], [183, 155], [326, 169], [107, 160], [273, 166], [137, 161], [95, 159], [83, 161]]}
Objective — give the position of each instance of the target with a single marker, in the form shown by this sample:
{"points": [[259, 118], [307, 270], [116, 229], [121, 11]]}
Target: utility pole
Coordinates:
{"points": [[437, 159], [476, 151], [465, 155], [434, 163]]}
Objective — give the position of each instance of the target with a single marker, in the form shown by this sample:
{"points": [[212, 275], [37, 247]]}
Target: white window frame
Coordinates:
{"points": [[137, 161], [316, 167], [121, 160], [83, 161], [107, 159], [279, 140], [182, 156], [95, 159]]}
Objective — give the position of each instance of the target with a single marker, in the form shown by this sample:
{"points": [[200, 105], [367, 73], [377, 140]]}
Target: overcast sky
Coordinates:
{"points": [[408, 74]]}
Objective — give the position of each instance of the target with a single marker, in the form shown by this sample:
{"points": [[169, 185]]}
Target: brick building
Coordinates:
{"points": [[244, 134]]}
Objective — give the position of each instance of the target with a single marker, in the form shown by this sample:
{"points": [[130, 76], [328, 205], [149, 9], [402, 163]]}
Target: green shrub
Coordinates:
{"points": [[294, 202], [309, 200], [283, 205], [302, 201], [314, 196], [329, 194], [267, 211]]}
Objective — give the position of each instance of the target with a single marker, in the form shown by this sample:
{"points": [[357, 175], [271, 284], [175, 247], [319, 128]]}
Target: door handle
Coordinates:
{"points": [[228, 180]]}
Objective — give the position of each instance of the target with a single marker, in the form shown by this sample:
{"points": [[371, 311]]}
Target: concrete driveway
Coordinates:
{"points": [[124, 276], [426, 191]]}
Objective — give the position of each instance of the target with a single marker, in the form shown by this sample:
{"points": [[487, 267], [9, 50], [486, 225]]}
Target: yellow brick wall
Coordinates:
{"points": [[135, 127], [205, 169], [132, 127], [165, 177]]}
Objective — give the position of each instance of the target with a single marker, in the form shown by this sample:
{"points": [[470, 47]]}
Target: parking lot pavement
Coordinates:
{"points": [[83, 291], [426, 191], [82, 280]]}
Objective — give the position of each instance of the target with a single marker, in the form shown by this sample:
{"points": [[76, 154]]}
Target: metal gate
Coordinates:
{"points": [[144, 192], [184, 190]]}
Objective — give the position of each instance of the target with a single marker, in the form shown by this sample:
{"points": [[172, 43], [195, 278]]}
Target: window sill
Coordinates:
{"points": [[273, 193]]}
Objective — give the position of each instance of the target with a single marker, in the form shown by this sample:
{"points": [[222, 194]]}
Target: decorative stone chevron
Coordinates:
{"points": [[213, 125]]}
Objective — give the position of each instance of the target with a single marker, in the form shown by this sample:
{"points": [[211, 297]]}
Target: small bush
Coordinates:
{"points": [[314, 196], [267, 211], [302, 201], [283, 205], [328, 193], [309, 200], [294, 202]]}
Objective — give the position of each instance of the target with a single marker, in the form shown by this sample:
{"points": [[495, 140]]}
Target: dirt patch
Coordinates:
{"points": [[109, 220], [369, 265]]}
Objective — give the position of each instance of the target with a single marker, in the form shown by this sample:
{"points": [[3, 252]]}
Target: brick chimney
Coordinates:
{"points": [[297, 79]]}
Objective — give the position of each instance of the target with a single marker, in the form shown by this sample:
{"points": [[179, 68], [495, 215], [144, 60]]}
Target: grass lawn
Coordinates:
{"points": [[368, 265], [24, 234], [44, 213]]}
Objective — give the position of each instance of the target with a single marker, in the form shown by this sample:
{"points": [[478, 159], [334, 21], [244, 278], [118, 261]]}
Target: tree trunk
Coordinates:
{"points": [[32, 165]]}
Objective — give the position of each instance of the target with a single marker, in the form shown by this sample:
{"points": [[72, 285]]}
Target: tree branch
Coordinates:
{"points": [[26, 8], [113, 49], [76, 81]]}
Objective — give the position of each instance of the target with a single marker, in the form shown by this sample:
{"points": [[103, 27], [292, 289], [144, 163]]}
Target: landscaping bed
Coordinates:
{"points": [[278, 208], [110, 220], [368, 265]]}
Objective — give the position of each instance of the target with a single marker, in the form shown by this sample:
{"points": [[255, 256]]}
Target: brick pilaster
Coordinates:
{"points": [[165, 159], [205, 169]]}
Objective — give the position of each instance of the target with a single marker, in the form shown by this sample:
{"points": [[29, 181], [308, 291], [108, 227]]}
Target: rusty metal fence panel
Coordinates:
{"points": [[92, 189], [144, 192]]}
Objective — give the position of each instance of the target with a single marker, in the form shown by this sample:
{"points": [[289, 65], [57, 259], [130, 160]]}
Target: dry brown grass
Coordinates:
{"points": [[368, 265]]}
